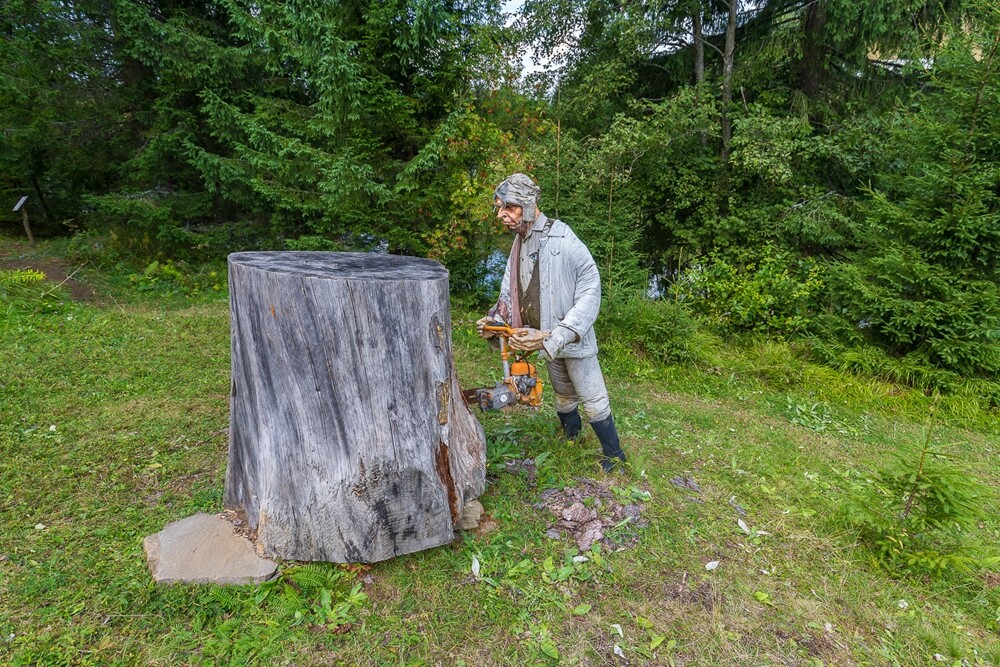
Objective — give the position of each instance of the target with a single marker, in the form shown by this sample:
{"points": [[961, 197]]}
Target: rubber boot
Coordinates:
{"points": [[610, 445], [571, 423]]}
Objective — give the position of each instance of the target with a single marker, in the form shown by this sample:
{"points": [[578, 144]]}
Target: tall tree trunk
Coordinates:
{"points": [[699, 58], [727, 81], [132, 73], [699, 46], [49, 218], [812, 67]]}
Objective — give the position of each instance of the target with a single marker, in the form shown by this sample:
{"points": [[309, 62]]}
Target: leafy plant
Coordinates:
{"points": [[915, 512], [313, 593], [540, 642], [817, 416], [574, 566], [655, 641], [502, 444], [631, 494], [171, 278], [20, 277], [776, 293], [545, 470]]}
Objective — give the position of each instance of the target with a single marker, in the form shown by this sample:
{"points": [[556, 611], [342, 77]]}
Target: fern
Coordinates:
{"points": [[20, 277], [226, 597], [312, 576]]}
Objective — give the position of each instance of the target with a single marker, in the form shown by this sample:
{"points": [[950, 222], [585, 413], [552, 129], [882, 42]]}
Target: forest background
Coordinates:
{"points": [[824, 171]]}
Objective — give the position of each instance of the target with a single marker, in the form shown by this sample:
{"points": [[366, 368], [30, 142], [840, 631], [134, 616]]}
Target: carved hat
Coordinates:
{"points": [[520, 190]]}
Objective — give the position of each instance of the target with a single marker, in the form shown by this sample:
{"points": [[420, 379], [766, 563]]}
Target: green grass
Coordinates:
{"points": [[112, 424]]}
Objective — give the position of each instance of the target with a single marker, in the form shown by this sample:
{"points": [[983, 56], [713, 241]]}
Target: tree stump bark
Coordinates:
{"points": [[349, 438]]}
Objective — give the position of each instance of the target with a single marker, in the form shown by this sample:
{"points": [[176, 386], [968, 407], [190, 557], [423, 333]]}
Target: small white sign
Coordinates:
{"points": [[20, 203]]}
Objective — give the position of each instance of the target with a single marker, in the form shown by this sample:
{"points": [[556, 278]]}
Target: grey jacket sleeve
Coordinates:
{"points": [[557, 340], [586, 289], [576, 296]]}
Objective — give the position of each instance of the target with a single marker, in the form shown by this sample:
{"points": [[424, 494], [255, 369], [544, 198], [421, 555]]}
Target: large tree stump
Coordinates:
{"points": [[349, 439]]}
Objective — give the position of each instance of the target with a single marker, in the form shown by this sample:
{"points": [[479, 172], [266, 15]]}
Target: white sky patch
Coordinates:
{"points": [[511, 10]]}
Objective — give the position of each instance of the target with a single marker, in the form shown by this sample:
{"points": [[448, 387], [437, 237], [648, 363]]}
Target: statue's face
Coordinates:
{"points": [[511, 215]]}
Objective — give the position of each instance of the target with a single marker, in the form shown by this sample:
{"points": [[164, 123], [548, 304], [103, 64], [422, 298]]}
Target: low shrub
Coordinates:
{"points": [[915, 514], [776, 294], [662, 330]]}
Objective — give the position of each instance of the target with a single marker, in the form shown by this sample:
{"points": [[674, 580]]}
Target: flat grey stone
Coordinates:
{"points": [[202, 549], [471, 515]]}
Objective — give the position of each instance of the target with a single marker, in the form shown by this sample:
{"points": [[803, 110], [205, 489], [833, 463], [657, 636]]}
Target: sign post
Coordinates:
{"points": [[20, 206]]}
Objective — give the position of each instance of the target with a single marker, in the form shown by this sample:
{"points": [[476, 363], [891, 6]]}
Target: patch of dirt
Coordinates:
{"points": [[819, 644], [591, 512], [57, 271], [992, 580], [703, 594]]}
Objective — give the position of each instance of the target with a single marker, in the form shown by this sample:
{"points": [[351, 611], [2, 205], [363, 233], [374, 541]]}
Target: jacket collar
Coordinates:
{"points": [[542, 220], [539, 222]]}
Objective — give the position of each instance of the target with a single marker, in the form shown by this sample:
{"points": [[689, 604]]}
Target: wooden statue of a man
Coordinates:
{"points": [[551, 292]]}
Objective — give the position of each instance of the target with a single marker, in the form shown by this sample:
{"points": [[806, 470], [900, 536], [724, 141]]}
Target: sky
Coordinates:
{"points": [[512, 8]]}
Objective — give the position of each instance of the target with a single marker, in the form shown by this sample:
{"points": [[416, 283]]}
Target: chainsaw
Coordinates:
{"points": [[520, 383]]}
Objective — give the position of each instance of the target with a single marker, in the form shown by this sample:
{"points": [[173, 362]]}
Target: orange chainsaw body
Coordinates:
{"points": [[524, 378], [520, 384]]}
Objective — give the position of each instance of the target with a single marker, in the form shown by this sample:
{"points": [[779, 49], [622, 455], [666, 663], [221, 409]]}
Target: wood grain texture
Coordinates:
{"points": [[349, 439]]}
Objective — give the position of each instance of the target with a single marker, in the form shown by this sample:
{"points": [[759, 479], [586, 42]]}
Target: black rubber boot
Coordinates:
{"points": [[610, 445], [571, 423]]}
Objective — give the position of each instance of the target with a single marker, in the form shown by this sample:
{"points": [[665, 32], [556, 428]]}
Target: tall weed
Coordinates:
{"points": [[23, 291]]}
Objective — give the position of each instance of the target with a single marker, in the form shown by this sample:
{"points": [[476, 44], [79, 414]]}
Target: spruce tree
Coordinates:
{"points": [[312, 120], [925, 279]]}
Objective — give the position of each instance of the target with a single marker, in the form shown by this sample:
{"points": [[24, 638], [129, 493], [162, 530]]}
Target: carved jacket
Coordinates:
{"points": [[570, 291]]}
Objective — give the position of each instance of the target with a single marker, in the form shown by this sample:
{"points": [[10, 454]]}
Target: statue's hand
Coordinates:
{"points": [[480, 324], [527, 340]]}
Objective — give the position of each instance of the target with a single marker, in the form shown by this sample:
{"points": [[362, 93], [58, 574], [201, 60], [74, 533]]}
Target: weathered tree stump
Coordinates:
{"points": [[349, 439]]}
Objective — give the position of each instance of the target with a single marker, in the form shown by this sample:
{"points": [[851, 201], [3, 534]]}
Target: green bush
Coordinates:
{"points": [[776, 294], [310, 242], [662, 330]]}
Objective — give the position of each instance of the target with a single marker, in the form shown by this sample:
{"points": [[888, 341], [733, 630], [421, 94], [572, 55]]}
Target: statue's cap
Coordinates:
{"points": [[520, 190]]}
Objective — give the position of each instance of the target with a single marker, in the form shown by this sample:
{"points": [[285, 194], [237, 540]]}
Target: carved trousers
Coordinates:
{"points": [[580, 382]]}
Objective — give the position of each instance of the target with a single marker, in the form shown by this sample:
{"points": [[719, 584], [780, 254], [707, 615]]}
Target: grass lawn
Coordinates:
{"points": [[113, 423]]}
